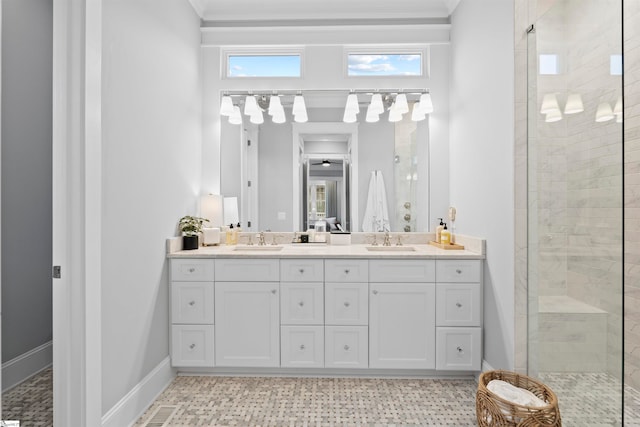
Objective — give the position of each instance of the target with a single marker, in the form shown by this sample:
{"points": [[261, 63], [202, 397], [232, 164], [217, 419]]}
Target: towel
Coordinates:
{"points": [[513, 394], [376, 214]]}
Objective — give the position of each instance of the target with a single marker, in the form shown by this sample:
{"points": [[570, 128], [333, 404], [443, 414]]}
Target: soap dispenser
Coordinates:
{"points": [[231, 235], [439, 230], [445, 236]]}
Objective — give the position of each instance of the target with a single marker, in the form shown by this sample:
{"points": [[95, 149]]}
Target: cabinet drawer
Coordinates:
{"points": [[192, 302], [406, 271], [192, 345], [302, 270], [302, 346], [247, 270], [301, 304], [458, 304], [346, 347], [459, 271], [350, 270], [200, 270], [346, 303], [458, 349]]}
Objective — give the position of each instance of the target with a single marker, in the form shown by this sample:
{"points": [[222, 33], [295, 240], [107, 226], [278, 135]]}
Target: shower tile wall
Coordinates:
{"points": [[632, 192]]}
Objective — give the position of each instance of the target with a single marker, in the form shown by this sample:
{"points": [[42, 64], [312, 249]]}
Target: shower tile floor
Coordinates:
{"points": [[585, 400]]}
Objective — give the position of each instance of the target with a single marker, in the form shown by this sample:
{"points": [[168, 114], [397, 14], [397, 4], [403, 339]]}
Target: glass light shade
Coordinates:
{"points": [[349, 117], [426, 105], [604, 112], [257, 119], [376, 104], [226, 106], [279, 118], [553, 116], [401, 103], [394, 114], [211, 209], [617, 110], [301, 117], [236, 117], [299, 106], [549, 103], [275, 106], [372, 116], [251, 106], [352, 104], [574, 104], [417, 114], [231, 210]]}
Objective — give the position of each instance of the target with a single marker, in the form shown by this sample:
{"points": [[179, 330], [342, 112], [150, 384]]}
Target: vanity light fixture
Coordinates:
{"points": [[417, 114], [276, 111], [394, 114], [372, 116], [549, 103], [553, 116], [426, 104], [401, 103], [236, 117], [257, 118], [299, 109], [251, 106], [352, 109], [226, 106], [604, 112], [574, 104], [376, 104]]}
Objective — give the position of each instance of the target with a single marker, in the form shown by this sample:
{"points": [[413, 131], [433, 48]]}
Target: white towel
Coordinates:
{"points": [[376, 214], [513, 394]]}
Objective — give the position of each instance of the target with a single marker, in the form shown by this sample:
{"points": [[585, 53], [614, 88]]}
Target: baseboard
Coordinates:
{"points": [[127, 411], [26, 365]]}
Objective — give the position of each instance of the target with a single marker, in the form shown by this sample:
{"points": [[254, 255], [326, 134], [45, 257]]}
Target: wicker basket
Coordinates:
{"points": [[493, 411]]}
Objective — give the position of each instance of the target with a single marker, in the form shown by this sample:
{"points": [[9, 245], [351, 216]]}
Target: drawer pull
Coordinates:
{"points": [[192, 303], [302, 347], [273, 291], [346, 271], [192, 346], [346, 304], [458, 271], [192, 269], [375, 292], [301, 271], [459, 349], [458, 305], [301, 303], [346, 348]]}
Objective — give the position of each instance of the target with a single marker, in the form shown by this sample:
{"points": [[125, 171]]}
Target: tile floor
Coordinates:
{"points": [[586, 400]]}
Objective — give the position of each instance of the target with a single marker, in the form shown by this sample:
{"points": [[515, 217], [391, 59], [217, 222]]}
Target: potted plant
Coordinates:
{"points": [[191, 227]]}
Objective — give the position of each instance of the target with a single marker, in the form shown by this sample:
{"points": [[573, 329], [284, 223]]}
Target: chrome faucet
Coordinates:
{"points": [[387, 239], [261, 241]]}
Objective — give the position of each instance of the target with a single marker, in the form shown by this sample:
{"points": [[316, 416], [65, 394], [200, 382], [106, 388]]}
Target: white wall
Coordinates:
{"points": [[482, 155], [151, 176], [26, 175]]}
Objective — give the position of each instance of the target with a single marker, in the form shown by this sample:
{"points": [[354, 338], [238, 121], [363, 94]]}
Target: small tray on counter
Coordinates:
{"points": [[451, 246]]}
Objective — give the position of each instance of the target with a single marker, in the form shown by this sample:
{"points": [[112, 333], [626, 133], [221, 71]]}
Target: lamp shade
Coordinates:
{"points": [[299, 110], [257, 118], [549, 103], [394, 114], [553, 116], [275, 106], [211, 209], [231, 210], [376, 105], [617, 110], [574, 104], [352, 106], [401, 103], [226, 106], [604, 112], [372, 116], [417, 114], [251, 106], [236, 117], [426, 104]]}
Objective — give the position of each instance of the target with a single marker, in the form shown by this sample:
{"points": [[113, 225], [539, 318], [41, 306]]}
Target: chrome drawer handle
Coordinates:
{"points": [[191, 270], [301, 271], [346, 304], [301, 303], [375, 292], [192, 303], [273, 291], [302, 347], [459, 349], [458, 271], [458, 305], [346, 348], [192, 346]]}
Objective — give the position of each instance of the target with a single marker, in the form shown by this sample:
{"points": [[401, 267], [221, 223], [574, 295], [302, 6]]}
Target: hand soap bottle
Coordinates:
{"points": [[445, 236], [439, 230], [231, 235]]}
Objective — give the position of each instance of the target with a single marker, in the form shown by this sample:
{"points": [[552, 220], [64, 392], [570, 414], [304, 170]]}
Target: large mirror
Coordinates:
{"points": [[282, 172]]}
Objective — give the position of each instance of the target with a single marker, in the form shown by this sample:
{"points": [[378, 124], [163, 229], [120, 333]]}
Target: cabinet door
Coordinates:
{"points": [[247, 318], [301, 304], [402, 325]]}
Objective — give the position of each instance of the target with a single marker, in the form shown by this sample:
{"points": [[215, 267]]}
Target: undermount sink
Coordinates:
{"points": [[258, 248], [391, 248]]}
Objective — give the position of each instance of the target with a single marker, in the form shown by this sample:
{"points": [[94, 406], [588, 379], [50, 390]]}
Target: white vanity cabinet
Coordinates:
{"points": [[459, 315], [192, 312], [247, 313], [402, 314]]}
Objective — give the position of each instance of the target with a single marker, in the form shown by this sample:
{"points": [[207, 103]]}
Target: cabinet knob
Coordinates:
{"points": [[273, 291], [375, 292], [346, 271], [192, 269], [459, 349], [192, 346], [346, 348], [458, 305], [346, 304], [458, 271], [302, 347], [192, 303], [301, 303], [301, 271]]}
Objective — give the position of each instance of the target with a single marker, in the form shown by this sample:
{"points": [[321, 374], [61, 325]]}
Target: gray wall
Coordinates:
{"points": [[26, 175]]}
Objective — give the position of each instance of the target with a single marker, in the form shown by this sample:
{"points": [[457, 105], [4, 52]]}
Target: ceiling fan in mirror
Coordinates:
{"points": [[325, 163]]}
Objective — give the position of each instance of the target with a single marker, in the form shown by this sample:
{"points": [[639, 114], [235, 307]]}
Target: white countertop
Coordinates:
{"points": [[320, 250]]}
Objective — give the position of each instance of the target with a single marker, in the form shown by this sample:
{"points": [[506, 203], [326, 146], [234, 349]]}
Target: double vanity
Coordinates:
{"points": [[325, 309]]}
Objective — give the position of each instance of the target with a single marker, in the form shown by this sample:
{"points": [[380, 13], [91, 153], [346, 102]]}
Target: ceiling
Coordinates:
{"points": [[321, 10]]}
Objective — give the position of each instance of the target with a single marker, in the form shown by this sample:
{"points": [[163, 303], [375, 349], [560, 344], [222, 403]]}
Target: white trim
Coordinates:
{"points": [[26, 365], [128, 409]]}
